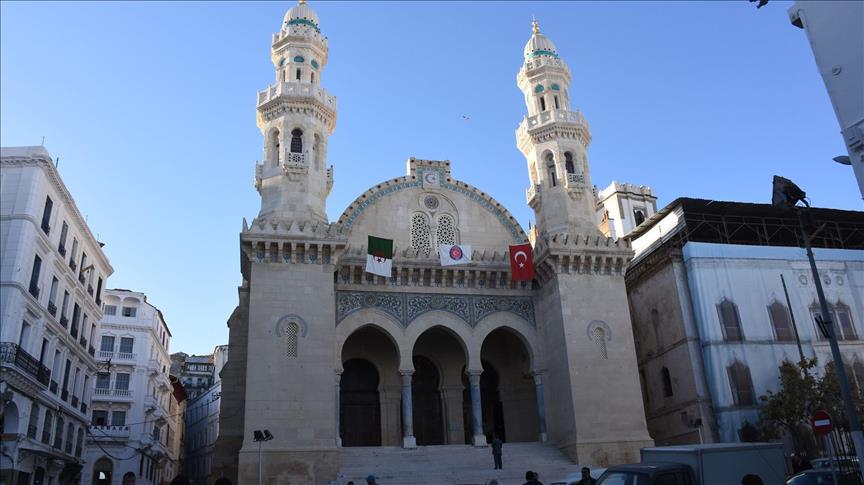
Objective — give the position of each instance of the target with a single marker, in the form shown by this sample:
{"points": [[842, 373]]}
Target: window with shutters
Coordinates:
{"points": [[741, 384], [296, 141], [844, 322], [107, 344], [420, 234], [781, 322], [730, 321]]}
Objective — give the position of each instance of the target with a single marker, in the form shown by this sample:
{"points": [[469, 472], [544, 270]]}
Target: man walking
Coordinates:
{"points": [[496, 451]]}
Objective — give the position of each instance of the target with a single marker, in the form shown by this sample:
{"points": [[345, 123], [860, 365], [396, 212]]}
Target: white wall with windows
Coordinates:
{"points": [[131, 428], [52, 277], [745, 324]]}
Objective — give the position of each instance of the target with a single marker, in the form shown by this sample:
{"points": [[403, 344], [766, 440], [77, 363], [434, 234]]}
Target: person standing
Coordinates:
{"points": [[586, 477], [496, 451]]}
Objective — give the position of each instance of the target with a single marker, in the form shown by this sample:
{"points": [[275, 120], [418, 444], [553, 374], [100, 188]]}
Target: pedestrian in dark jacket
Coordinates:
{"points": [[532, 478], [586, 477], [496, 451]]}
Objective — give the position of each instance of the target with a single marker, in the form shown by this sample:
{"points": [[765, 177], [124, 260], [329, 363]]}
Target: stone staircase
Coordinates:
{"points": [[453, 465]]}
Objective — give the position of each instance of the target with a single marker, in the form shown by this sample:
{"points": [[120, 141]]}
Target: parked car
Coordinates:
{"points": [[823, 477], [841, 462], [648, 474]]}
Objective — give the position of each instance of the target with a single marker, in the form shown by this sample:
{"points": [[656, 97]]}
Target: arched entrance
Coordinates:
{"points": [[426, 399], [493, 417], [369, 395], [439, 359], [507, 388], [360, 409], [9, 419], [102, 470]]}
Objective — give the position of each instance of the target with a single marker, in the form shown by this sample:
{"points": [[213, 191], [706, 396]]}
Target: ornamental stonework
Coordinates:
{"points": [[407, 307]]}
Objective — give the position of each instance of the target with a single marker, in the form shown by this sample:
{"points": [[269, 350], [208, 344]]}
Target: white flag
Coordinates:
{"points": [[455, 254]]}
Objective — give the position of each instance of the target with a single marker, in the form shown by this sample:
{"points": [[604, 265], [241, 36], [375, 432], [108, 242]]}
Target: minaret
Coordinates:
{"points": [[296, 116], [554, 140]]}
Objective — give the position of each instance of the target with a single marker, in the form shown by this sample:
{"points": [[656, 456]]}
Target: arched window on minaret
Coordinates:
{"points": [[312, 79], [296, 141], [568, 162], [299, 74], [542, 103], [550, 164], [557, 105], [273, 148]]}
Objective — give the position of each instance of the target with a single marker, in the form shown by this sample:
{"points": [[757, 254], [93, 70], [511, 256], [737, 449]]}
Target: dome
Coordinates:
{"points": [[301, 15], [539, 45]]}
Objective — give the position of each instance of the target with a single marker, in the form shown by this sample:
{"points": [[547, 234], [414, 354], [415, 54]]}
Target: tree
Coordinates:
{"points": [[801, 393], [793, 405]]}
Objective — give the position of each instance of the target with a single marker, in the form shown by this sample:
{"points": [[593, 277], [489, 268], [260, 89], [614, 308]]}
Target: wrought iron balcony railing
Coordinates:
{"points": [[13, 355]]}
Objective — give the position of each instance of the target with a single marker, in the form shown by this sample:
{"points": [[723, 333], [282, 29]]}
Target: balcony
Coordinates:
{"points": [[533, 195], [12, 355], [64, 321], [121, 393], [297, 90], [34, 290], [109, 432], [107, 354], [575, 180], [62, 250], [52, 309]]}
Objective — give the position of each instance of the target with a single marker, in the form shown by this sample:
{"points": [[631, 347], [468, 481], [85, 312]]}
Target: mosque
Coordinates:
{"points": [[326, 356]]}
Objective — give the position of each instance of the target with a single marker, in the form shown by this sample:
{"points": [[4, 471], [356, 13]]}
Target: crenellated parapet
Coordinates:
{"points": [[580, 254], [552, 125]]}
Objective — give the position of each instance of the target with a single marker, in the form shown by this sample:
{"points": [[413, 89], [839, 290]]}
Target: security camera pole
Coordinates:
{"points": [[786, 195]]}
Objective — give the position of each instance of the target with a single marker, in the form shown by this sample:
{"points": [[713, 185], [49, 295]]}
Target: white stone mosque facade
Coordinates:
{"points": [[326, 356]]}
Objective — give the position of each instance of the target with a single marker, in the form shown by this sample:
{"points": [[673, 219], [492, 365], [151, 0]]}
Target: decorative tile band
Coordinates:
{"points": [[407, 307]]}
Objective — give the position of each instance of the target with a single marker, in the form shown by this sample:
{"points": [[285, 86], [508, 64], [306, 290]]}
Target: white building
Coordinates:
{"points": [[622, 207], [132, 397], [710, 316], [835, 30], [202, 423], [52, 271], [202, 429]]}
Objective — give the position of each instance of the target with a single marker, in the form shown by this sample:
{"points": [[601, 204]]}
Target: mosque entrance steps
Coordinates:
{"points": [[452, 464]]}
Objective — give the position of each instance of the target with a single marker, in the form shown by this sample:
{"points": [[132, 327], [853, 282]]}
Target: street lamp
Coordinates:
{"points": [[261, 436], [786, 195]]}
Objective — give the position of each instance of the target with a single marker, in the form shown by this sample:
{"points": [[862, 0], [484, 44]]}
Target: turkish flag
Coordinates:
{"points": [[521, 262]]}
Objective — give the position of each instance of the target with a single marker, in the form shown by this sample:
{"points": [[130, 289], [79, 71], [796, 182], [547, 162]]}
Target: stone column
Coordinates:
{"points": [[408, 440], [338, 405], [541, 406], [476, 408]]}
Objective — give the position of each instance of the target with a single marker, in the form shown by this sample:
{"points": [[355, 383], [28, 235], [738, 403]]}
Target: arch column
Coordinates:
{"points": [[479, 439], [338, 404], [541, 406], [408, 440]]}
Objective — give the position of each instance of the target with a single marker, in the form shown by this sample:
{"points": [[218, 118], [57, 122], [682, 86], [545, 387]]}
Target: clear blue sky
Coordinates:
{"points": [[151, 108]]}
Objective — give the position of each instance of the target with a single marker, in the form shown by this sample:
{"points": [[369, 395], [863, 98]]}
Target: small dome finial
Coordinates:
{"points": [[535, 27], [301, 2]]}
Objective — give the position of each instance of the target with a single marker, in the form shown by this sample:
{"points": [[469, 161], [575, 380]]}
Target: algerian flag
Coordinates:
{"points": [[379, 258], [455, 254]]}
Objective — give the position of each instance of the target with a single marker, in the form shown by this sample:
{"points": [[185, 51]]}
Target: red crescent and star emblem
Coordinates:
{"points": [[456, 253]]}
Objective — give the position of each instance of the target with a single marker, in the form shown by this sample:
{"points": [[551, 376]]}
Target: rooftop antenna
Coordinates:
{"points": [[57, 162], [43, 140]]}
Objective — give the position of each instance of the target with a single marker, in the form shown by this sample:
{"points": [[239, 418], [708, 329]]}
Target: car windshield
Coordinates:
{"points": [[623, 478], [821, 478]]}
